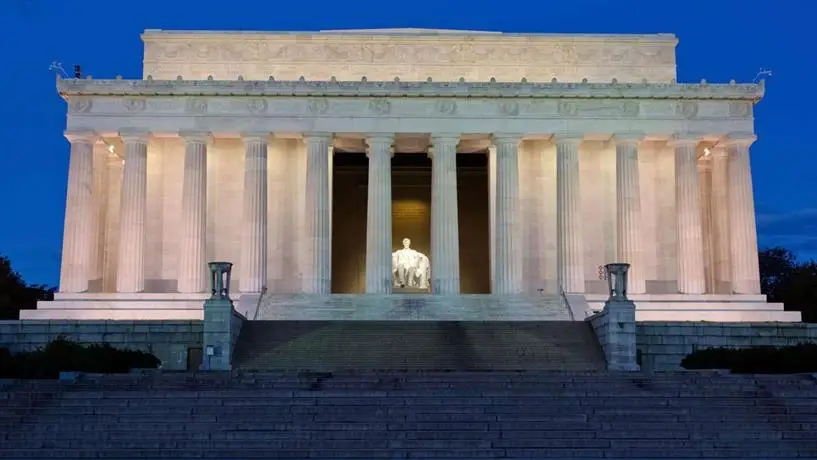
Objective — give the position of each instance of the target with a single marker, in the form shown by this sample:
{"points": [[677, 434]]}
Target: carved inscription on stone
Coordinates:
{"points": [[257, 106]]}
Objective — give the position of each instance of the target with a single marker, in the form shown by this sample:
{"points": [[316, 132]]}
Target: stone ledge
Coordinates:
{"points": [[74, 87]]}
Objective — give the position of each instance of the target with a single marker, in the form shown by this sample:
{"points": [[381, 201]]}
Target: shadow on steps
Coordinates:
{"points": [[421, 345]]}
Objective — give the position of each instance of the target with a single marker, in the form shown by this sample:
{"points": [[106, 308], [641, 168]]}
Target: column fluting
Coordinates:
{"points": [[253, 273], [507, 277], [720, 220], [318, 213], [629, 238], [745, 271], [378, 216], [130, 274], [492, 213], [445, 250], [707, 224], [569, 247], [691, 279], [79, 207], [192, 276]]}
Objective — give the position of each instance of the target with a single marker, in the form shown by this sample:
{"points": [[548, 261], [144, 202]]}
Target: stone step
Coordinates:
{"points": [[412, 307], [347, 345]]}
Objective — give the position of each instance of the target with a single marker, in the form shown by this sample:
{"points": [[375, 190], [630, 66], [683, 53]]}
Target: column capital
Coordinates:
{"points": [[445, 138], [719, 151], [200, 137], [506, 138], [568, 138], [318, 137], [738, 140], [684, 140], [380, 143], [255, 136], [629, 138], [134, 136], [84, 136]]}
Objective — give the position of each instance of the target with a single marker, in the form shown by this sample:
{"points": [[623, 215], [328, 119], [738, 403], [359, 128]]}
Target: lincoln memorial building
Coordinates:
{"points": [[353, 169]]}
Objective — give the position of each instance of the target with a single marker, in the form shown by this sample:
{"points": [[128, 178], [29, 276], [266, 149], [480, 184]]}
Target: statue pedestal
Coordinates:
{"points": [[408, 290]]}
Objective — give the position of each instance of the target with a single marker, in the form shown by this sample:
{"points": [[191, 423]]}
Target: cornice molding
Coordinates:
{"points": [[72, 88]]}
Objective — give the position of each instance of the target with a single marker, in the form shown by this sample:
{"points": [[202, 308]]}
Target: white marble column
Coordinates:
{"points": [[569, 247], [705, 186], [445, 239], [508, 276], [253, 274], [691, 278], [192, 276], [318, 213], [100, 197], [745, 271], [721, 232], [378, 216], [629, 238], [130, 274], [492, 213], [79, 209]]}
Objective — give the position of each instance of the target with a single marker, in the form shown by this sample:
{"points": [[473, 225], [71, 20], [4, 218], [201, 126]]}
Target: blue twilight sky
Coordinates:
{"points": [[719, 40]]}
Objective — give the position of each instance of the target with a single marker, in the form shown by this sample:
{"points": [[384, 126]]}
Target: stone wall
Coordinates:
{"points": [[411, 55], [662, 345], [167, 340]]}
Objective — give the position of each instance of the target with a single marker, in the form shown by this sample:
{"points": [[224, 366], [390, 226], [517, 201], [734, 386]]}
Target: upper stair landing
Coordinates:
{"points": [[411, 307]]}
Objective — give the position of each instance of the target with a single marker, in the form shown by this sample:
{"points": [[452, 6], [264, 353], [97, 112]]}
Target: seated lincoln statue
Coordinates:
{"points": [[410, 268]]}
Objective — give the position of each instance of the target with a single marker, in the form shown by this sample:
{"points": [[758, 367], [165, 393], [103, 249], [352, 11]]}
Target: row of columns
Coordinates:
{"points": [[732, 213]]}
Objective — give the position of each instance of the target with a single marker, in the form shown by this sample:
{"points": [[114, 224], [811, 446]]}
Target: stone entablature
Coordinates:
{"points": [[355, 107], [411, 55]]}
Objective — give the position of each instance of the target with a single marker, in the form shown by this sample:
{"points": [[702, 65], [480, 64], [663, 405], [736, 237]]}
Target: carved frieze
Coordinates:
{"points": [[318, 105], [686, 109], [509, 108], [599, 108], [446, 106], [257, 106], [740, 109], [196, 105], [134, 104], [380, 106], [80, 104]]}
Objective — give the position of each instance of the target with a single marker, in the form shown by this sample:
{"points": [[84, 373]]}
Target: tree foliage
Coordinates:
{"points": [[784, 279], [16, 294]]}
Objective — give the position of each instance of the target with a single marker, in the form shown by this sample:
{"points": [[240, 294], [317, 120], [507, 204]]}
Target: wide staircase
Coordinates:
{"points": [[418, 345], [388, 415]]}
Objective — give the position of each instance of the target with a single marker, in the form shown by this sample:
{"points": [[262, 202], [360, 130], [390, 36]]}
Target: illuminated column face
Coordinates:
{"points": [[745, 270], [569, 246], [508, 276], [628, 209], [691, 279]]}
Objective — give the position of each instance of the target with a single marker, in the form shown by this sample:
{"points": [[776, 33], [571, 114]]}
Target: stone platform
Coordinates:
{"points": [[732, 308], [466, 307]]}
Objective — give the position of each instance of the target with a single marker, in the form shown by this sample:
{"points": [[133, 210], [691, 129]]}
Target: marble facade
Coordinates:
{"points": [[223, 151]]}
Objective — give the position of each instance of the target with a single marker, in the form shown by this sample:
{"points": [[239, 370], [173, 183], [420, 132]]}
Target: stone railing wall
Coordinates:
{"points": [[662, 345], [167, 340]]}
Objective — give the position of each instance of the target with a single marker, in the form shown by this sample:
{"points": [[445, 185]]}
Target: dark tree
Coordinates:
{"points": [[786, 280], [16, 294]]}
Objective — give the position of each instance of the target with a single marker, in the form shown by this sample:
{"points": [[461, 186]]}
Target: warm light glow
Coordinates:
{"points": [[706, 152], [110, 148]]}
